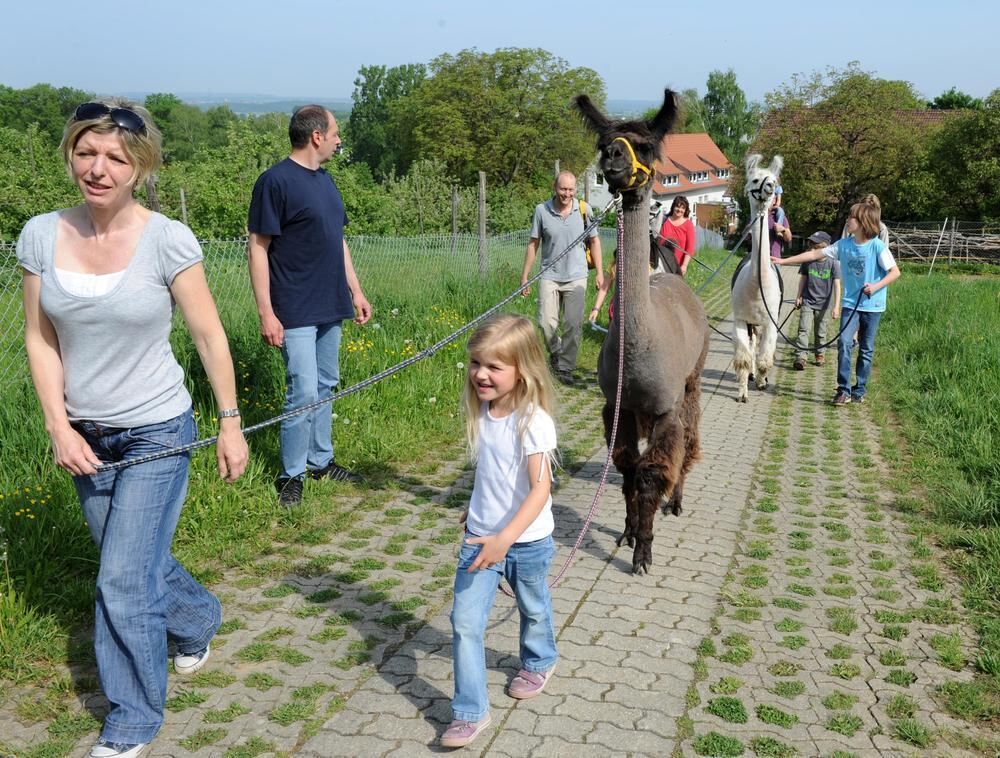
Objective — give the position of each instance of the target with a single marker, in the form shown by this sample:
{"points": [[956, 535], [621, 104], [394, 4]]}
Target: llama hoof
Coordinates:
{"points": [[642, 558], [672, 507], [626, 536], [742, 398]]}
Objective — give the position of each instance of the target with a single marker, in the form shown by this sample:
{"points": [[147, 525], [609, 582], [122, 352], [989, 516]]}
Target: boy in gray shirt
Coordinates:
{"points": [[819, 289]]}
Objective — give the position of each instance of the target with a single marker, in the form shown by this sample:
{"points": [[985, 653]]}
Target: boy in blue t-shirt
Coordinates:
{"points": [[819, 292], [867, 268]]}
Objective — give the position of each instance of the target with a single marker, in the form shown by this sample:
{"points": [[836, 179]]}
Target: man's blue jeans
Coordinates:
{"points": [[312, 370], [526, 568], [865, 325], [144, 596]]}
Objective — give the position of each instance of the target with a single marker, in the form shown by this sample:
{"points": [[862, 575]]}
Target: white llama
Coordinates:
{"points": [[755, 335]]}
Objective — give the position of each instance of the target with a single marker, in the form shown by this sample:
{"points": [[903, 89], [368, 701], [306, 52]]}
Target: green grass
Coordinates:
{"points": [[719, 745], [771, 715], [728, 709], [948, 434]]}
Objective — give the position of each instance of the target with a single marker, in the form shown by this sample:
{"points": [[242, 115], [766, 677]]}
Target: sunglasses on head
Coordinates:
{"points": [[123, 117]]}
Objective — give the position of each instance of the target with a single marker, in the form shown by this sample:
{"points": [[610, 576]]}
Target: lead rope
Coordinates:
{"points": [[614, 424], [425, 353]]}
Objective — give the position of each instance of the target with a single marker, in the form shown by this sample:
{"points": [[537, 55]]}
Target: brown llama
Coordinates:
{"points": [[665, 339]]}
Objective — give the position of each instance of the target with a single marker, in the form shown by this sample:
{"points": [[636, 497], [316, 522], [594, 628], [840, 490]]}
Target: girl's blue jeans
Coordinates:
{"points": [[865, 325], [526, 568], [144, 596]]}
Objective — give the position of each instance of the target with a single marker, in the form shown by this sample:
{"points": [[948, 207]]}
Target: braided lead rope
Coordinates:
{"points": [[363, 384], [614, 424]]}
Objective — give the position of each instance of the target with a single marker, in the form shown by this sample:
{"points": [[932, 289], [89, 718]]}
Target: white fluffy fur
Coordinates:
{"points": [[754, 354]]}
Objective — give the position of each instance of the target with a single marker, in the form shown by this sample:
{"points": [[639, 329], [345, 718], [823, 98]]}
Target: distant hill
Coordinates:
{"points": [[246, 104]]}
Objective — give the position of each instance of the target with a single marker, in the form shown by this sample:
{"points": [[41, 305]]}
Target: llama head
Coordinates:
{"points": [[628, 149], [762, 182]]}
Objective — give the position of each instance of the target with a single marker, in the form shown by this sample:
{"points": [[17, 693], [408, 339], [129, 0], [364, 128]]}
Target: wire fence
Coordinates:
{"points": [[387, 266]]}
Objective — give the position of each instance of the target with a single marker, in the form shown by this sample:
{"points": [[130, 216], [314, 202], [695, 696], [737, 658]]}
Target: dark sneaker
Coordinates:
{"points": [[858, 399], [800, 364], [104, 749], [289, 491], [461, 733], [188, 663], [335, 472], [527, 684], [820, 359], [841, 398], [565, 377]]}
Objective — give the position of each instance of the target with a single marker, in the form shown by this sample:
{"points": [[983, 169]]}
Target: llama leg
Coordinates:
{"points": [[742, 358], [656, 476], [765, 353], [625, 455], [690, 419]]}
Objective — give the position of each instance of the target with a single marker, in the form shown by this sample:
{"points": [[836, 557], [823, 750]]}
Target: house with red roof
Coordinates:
{"points": [[691, 165]]}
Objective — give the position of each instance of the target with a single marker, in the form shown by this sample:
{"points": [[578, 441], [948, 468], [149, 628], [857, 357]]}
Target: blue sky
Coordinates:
{"points": [[258, 46]]}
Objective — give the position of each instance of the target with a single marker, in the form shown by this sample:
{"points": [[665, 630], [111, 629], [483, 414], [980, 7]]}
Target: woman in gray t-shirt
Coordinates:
{"points": [[100, 281]]}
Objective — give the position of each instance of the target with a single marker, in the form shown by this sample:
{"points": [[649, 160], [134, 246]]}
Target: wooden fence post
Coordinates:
{"points": [[951, 243], [482, 224], [154, 201], [184, 208], [454, 217]]}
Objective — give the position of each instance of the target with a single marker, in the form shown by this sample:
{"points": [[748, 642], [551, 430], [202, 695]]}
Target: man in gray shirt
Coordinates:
{"points": [[563, 287]]}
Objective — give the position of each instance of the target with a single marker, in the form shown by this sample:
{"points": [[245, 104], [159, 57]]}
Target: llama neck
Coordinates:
{"points": [[634, 275], [760, 255]]}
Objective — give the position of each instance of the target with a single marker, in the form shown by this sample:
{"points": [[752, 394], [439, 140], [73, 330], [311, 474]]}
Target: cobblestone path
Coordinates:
{"points": [[788, 612]]}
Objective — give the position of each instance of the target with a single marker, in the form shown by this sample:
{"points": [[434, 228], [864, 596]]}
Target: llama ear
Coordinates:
{"points": [[592, 116], [777, 163], [665, 118], [751, 162]]}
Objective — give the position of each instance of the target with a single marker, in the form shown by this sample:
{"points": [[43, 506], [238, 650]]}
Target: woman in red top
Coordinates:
{"points": [[678, 232]]}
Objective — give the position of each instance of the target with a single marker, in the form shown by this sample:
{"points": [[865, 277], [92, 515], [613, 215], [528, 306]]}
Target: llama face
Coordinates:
{"points": [[628, 149], [761, 182]]}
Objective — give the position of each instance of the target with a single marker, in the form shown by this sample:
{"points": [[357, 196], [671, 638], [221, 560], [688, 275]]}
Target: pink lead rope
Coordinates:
{"points": [[618, 405]]}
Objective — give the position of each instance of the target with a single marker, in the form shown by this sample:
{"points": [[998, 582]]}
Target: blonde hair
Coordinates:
{"points": [[143, 148], [868, 215], [511, 339]]}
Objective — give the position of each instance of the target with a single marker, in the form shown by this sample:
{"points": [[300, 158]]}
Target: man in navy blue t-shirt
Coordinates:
{"points": [[305, 285]]}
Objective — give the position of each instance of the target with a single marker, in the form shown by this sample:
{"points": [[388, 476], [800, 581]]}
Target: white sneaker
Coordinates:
{"points": [[104, 749], [188, 663]]}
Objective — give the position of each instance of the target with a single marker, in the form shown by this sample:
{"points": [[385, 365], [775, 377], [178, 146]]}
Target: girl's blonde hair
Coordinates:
{"points": [[868, 215], [143, 148], [511, 339]]}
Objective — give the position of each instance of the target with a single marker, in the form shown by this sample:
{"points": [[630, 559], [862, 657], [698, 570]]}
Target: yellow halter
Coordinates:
{"points": [[636, 166]]}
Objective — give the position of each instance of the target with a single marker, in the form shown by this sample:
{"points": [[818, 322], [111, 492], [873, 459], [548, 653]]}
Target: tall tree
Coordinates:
{"points": [[844, 134], [186, 128], [729, 120], [965, 156], [373, 134], [49, 107], [506, 113], [954, 100], [32, 178]]}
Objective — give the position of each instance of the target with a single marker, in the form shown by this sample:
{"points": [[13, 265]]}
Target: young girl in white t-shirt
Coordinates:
{"points": [[512, 439]]}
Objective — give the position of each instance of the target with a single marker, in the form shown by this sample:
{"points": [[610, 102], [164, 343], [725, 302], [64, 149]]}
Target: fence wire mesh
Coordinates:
{"points": [[388, 268]]}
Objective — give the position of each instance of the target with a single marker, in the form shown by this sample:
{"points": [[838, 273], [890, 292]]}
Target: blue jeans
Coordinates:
{"points": [[865, 325], [144, 596], [312, 370], [526, 568]]}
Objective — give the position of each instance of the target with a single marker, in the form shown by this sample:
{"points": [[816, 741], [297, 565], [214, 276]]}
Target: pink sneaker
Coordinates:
{"points": [[460, 733], [529, 683]]}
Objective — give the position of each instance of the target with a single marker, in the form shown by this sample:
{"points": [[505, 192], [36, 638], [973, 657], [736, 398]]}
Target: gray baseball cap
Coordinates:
{"points": [[821, 237]]}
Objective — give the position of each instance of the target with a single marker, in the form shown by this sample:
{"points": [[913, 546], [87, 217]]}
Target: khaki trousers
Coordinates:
{"points": [[565, 299]]}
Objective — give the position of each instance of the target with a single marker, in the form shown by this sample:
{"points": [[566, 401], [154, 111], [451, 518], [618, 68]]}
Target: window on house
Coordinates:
{"points": [[669, 179], [722, 173], [600, 179]]}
